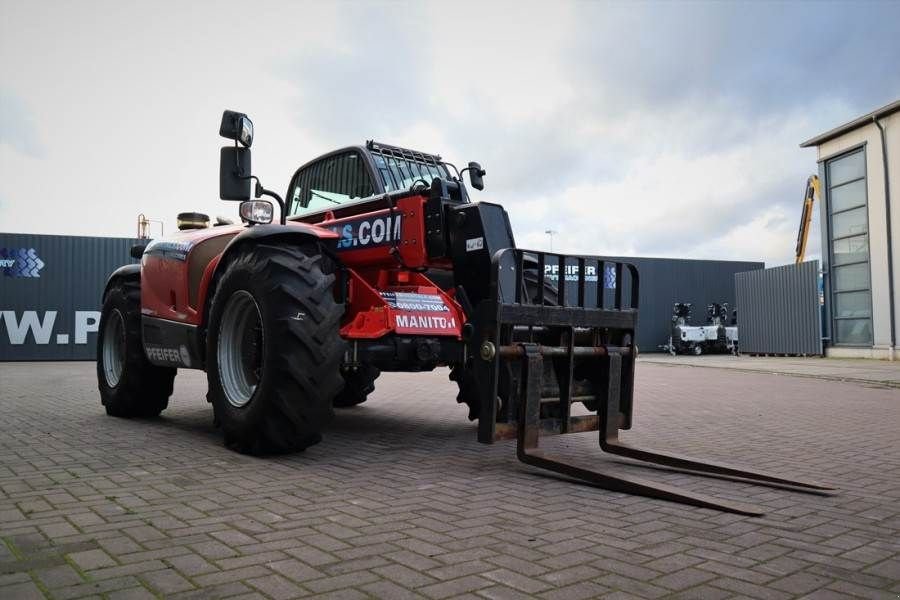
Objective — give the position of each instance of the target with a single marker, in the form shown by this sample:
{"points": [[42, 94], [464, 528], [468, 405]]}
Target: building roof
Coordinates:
{"points": [[854, 124]]}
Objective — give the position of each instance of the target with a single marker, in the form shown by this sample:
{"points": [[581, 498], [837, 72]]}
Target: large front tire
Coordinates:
{"points": [[274, 349], [130, 386]]}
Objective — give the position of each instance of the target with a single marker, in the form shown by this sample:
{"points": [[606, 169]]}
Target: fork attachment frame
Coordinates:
{"points": [[539, 350]]}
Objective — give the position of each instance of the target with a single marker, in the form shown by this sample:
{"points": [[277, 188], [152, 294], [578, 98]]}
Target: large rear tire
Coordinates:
{"points": [[274, 349], [358, 385], [130, 386]]}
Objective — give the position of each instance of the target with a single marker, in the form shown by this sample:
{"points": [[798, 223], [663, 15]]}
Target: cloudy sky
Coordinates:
{"points": [[648, 129]]}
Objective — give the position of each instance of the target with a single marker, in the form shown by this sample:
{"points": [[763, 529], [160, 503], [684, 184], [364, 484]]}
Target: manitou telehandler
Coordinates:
{"points": [[379, 262]]}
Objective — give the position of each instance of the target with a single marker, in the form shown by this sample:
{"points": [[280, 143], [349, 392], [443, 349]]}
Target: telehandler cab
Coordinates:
{"points": [[380, 261]]}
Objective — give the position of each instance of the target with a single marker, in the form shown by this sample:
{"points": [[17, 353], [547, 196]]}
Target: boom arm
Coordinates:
{"points": [[812, 192]]}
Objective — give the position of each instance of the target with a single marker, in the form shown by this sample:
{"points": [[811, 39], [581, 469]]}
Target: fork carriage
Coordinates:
{"points": [[574, 343]]}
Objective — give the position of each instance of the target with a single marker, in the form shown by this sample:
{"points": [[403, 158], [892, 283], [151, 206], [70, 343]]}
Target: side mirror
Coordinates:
{"points": [[234, 173], [137, 250], [476, 175], [237, 126]]}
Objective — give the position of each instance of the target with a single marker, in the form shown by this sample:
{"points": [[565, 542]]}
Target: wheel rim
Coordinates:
{"points": [[114, 348], [239, 350]]}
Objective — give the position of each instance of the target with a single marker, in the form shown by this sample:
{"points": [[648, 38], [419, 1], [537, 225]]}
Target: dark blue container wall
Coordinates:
{"points": [[65, 298], [665, 281], [62, 298]]}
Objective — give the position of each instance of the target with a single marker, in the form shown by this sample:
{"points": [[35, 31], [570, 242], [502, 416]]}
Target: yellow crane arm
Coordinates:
{"points": [[812, 192]]}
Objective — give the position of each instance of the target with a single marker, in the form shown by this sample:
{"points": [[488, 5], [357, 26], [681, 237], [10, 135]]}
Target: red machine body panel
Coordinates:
{"points": [[176, 271], [382, 250], [403, 302], [381, 236]]}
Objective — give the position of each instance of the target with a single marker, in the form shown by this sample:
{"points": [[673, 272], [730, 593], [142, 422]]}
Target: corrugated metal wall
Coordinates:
{"points": [[779, 310], [53, 315], [50, 290], [665, 281]]}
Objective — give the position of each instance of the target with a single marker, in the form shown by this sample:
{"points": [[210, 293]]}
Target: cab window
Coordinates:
{"points": [[398, 173], [330, 182]]}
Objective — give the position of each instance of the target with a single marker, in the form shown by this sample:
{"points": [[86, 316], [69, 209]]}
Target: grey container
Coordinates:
{"points": [[780, 310], [53, 313]]}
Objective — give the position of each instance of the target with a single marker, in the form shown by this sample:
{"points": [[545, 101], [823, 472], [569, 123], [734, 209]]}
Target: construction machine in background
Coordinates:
{"points": [[809, 197], [716, 336], [380, 261]]}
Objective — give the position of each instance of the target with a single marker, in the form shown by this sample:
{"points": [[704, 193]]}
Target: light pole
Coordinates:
{"points": [[551, 233]]}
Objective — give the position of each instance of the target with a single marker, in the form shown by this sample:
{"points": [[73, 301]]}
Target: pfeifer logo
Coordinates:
{"points": [[20, 262]]}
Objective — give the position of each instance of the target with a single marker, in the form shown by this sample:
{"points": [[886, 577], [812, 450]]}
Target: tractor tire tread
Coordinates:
{"points": [[144, 388], [293, 402]]}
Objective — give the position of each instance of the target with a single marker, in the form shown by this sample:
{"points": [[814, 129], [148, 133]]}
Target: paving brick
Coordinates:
{"points": [[328, 584], [295, 570], [214, 592], [135, 593], [214, 550], [685, 578], [405, 576], [345, 594], [501, 592], [388, 590], [800, 583], [59, 576], [574, 574], [312, 556], [517, 580], [276, 587], [639, 588], [701, 592], [166, 581], [230, 576], [122, 570], [455, 587], [400, 502], [96, 587], [577, 591], [92, 559], [191, 564], [889, 569], [24, 591]]}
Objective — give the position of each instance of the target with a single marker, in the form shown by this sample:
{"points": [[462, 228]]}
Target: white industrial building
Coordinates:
{"points": [[859, 171]]}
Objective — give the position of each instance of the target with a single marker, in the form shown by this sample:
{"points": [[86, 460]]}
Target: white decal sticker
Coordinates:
{"points": [[425, 322], [412, 301], [41, 326], [163, 354], [474, 244]]}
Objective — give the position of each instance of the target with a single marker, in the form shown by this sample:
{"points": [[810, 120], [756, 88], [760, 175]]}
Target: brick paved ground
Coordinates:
{"points": [[399, 501], [854, 370]]}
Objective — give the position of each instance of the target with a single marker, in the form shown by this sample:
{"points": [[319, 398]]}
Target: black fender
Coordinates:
{"points": [[298, 233], [124, 272]]}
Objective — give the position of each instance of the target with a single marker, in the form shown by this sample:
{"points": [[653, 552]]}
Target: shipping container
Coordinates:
{"points": [[50, 290]]}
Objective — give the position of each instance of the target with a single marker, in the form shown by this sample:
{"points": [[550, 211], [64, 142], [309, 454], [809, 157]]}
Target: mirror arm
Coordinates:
{"points": [[261, 191]]}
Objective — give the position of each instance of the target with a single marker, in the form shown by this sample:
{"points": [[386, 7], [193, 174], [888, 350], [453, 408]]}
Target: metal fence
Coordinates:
{"points": [[50, 287], [780, 310]]}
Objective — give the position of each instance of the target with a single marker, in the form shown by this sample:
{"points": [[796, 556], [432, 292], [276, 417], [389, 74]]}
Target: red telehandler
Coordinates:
{"points": [[380, 261]]}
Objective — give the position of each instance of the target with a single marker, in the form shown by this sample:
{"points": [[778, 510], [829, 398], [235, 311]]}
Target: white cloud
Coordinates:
{"points": [[631, 129]]}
